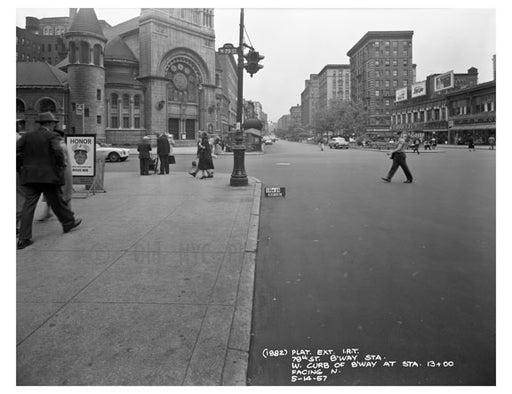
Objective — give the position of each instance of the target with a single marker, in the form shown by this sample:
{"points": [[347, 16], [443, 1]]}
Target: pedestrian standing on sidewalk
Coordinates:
{"points": [[41, 163], [163, 150], [471, 144], [399, 160], [144, 148], [492, 142], [321, 144], [205, 157], [67, 188]]}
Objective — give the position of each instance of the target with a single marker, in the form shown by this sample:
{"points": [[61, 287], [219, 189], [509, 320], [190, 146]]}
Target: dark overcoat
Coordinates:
{"points": [[163, 148], [39, 158], [143, 150]]}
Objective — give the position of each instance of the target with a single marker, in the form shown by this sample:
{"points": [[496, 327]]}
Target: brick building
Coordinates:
{"points": [[423, 108], [380, 63]]}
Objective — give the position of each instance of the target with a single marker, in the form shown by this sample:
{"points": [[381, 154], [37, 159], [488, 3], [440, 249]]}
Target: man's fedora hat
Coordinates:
{"points": [[47, 117]]}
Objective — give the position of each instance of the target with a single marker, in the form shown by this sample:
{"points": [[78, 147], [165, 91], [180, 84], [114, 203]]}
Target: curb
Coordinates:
{"points": [[237, 358]]}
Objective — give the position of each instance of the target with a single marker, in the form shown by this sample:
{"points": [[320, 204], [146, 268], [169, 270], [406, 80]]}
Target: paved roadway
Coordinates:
{"points": [[401, 272]]}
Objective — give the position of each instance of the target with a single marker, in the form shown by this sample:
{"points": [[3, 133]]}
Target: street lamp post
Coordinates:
{"points": [[239, 176]]}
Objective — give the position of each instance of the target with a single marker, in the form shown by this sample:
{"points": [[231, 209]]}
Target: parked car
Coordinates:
{"points": [[112, 153], [338, 143]]}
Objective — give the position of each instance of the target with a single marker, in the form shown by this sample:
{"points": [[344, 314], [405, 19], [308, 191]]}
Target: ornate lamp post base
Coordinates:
{"points": [[239, 176]]}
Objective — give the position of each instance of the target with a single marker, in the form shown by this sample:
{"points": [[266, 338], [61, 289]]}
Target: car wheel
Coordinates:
{"points": [[113, 156]]}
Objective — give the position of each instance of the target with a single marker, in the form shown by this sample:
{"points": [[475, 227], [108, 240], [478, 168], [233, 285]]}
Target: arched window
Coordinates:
{"points": [[20, 106], [72, 52], [126, 101], [84, 52], [97, 55], [46, 105], [114, 99]]}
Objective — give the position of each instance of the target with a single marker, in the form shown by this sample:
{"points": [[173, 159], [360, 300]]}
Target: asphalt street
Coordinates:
{"points": [[404, 273]]}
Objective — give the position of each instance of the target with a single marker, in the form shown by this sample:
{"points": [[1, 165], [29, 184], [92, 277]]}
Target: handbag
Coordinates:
{"points": [[172, 159]]}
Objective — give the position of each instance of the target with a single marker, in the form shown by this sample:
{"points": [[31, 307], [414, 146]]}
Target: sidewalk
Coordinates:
{"points": [[154, 288], [188, 150]]}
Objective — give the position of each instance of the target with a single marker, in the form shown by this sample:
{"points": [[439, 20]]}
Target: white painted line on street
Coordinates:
{"points": [[282, 164]]}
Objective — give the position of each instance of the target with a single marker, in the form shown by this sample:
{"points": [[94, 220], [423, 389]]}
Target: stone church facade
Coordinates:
{"points": [[157, 72]]}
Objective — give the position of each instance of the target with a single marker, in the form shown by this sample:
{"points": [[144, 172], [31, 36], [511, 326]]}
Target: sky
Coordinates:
{"points": [[298, 40]]}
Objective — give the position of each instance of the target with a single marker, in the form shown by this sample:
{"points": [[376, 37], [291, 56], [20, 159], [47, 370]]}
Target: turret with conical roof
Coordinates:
{"points": [[86, 73]]}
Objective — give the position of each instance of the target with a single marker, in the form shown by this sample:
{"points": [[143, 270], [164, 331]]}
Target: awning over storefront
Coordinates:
{"points": [[487, 126]]}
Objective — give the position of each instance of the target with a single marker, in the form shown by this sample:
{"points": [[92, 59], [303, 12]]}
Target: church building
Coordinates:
{"points": [[156, 72]]}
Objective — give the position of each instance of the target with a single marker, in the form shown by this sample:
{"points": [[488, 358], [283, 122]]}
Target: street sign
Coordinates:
{"points": [[228, 49], [275, 192]]}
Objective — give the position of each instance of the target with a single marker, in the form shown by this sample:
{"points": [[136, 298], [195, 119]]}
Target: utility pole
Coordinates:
{"points": [[238, 176]]}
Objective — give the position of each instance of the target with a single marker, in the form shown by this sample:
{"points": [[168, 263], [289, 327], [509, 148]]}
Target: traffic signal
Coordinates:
{"points": [[253, 59]]}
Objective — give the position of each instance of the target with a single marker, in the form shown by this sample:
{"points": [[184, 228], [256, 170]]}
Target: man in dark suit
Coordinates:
{"points": [[144, 148], [163, 149], [40, 162]]}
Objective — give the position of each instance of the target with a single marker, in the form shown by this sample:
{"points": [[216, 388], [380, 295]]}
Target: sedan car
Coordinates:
{"points": [[112, 153], [338, 143]]}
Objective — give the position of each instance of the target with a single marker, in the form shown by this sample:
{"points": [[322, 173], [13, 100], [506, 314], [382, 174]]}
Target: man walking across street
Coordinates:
{"points": [[41, 164], [398, 156], [163, 149]]}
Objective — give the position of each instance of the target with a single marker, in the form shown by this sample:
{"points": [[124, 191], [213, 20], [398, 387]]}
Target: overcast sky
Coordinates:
{"points": [[297, 42]]}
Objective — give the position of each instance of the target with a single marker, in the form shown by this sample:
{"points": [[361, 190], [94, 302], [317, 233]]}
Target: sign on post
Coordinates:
{"points": [[79, 109], [228, 49], [82, 154]]}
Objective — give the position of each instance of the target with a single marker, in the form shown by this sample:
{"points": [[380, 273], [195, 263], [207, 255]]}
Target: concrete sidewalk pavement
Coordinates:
{"points": [[155, 286]]}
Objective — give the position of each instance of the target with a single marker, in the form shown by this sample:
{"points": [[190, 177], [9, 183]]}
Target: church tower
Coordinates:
{"points": [[86, 74]]}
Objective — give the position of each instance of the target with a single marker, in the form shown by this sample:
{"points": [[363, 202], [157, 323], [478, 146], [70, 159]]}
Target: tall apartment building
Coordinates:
{"points": [[380, 63], [309, 100], [295, 116], [333, 83]]}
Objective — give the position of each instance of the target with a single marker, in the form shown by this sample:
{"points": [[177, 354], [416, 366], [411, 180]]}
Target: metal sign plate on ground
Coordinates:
{"points": [[275, 192]]}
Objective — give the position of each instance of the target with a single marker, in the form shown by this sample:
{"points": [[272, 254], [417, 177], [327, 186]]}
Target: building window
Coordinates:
{"points": [[405, 62], [98, 119], [395, 83], [405, 73], [72, 52], [114, 122], [405, 82], [47, 105], [377, 53], [97, 54], [20, 106], [126, 101], [126, 122], [136, 122], [377, 93], [49, 47], [395, 73], [387, 62], [388, 73], [395, 53], [377, 63], [386, 83], [136, 102], [377, 73], [84, 52], [377, 84], [86, 112], [114, 99], [98, 94], [395, 63], [387, 102]]}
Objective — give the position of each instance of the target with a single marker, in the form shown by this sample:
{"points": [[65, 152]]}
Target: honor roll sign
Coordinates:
{"points": [[444, 81], [82, 154]]}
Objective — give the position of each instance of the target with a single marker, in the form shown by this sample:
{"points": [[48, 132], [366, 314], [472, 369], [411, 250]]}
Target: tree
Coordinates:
{"points": [[341, 117]]}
